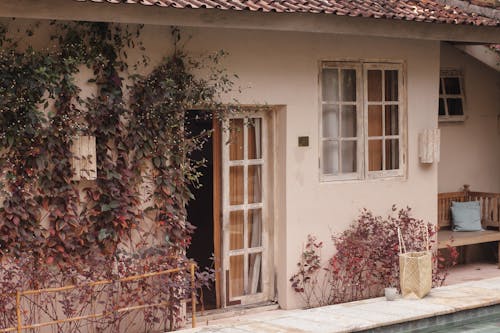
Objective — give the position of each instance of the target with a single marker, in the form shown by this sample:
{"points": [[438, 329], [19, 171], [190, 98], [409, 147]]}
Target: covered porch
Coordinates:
{"points": [[469, 123]]}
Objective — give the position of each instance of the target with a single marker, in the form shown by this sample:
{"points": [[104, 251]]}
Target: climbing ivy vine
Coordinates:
{"points": [[44, 214]]}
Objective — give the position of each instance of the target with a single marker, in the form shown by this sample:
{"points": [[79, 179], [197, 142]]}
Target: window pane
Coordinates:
{"points": [[375, 120], [254, 227], [391, 120], [452, 85], [236, 190], [330, 84], [236, 269], [254, 273], [375, 155], [349, 156], [442, 112], [455, 107], [254, 183], [392, 154], [330, 121], [348, 85], [254, 138], [349, 121], [236, 139], [440, 87], [331, 157], [374, 85], [391, 85], [236, 230]]}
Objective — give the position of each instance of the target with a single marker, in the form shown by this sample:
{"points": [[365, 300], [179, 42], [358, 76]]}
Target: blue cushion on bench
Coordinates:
{"points": [[466, 216]]}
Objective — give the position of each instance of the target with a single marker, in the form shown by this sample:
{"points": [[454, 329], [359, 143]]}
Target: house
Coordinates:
{"points": [[348, 87]]}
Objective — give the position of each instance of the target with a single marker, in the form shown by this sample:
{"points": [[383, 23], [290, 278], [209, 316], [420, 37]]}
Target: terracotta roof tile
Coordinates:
{"points": [[409, 10]]}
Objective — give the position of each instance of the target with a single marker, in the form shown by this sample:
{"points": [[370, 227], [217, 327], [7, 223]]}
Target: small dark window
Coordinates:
{"points": [[455, 107], [451, 96], [442, 112], [452, 85]]}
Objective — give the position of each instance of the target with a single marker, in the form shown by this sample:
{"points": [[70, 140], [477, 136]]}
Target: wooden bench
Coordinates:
{"points": [[490, 219]]}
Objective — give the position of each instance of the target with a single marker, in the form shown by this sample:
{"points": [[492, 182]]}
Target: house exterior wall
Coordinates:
{"points": [[470, 150], [282, 68]]}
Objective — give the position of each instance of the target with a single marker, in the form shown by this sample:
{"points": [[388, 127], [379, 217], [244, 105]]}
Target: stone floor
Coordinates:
{"points": [[468, 287], [472, 272]]}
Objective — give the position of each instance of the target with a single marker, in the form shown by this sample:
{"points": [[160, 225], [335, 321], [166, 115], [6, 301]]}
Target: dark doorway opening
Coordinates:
{"points": [[200, 209]]}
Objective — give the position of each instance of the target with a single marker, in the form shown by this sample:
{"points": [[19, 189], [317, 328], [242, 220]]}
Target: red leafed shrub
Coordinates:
{"points": [[366, 259], [165, 292], [311, 281]]}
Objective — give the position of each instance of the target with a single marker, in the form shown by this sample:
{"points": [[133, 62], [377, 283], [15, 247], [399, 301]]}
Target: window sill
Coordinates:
{"points": [[328, 178], [332, 181], [444, 119]]}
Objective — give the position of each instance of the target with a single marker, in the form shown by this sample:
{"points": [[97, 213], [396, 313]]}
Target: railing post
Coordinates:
{"points": [[193, 297], [18, 311], [466, 191]]}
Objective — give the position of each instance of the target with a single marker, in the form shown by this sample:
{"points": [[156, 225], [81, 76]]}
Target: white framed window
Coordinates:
{"points": [[451, 95], [362, 120]]}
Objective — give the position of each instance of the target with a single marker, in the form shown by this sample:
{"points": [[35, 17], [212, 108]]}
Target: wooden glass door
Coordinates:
{"points": [[244, 213]]}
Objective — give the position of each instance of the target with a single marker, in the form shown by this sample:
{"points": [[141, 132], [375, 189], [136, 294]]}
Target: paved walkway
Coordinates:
{"points": [[472, 272], [366, 314]]}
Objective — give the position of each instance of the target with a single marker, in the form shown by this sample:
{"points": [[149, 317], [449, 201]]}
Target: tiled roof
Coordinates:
{"points": [[409, 10]]}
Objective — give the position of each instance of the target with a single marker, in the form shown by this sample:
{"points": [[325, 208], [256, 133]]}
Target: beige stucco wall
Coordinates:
{"points": [[281, 68], [470, 150]]}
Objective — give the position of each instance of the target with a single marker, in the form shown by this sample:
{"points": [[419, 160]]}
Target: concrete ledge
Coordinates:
{"points": [[369, 314]]}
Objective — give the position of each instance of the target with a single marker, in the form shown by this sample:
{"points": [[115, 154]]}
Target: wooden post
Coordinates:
{"points": [[202, 302], [193, 297], [498, 254], [18, 312], [466, 191], [217, 206]]}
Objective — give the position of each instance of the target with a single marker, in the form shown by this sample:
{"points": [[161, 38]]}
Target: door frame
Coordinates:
{"points": [[267, 280], [217, 209]]}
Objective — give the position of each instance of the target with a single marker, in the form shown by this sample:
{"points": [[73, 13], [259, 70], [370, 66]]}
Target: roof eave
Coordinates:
{"points": [[299, 22], [482, 53]]}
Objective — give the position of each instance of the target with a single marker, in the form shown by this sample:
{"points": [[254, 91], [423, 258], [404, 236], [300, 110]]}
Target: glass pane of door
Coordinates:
{"points": [[244, 252], [236, 269]]}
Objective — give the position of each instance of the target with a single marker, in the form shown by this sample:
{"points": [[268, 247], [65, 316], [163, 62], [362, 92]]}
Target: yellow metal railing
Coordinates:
{"points": [[19, 294]]}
